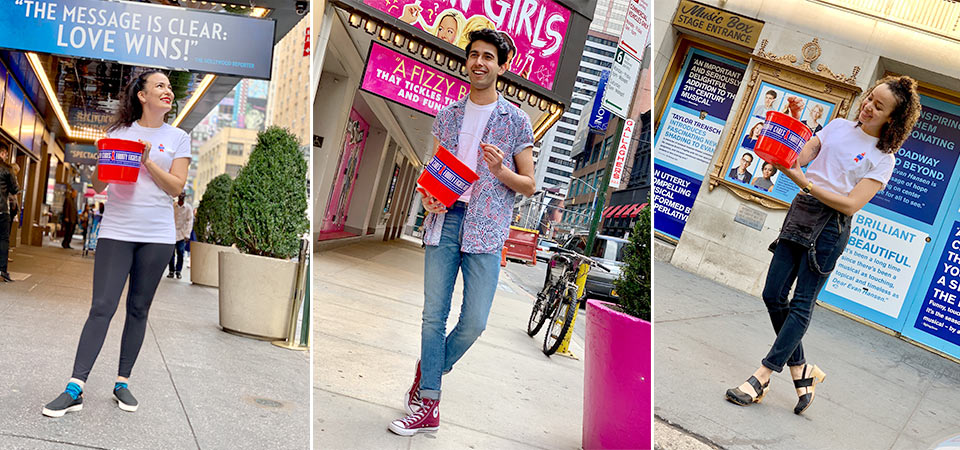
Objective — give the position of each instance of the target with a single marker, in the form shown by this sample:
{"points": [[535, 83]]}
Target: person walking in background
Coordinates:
{"points": [[69, 216], [849, 162], [85, 217], [183, 217], [136, 238], [8, 190], [493, 137]]}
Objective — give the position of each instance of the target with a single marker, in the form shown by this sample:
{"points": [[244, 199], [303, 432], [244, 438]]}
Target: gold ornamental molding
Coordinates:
{"points": [[789, 75], [810, 52]]}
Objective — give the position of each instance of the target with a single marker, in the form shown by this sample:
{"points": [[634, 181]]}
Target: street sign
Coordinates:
{"points": [[620, 160], [627, 62], [633, 38]]}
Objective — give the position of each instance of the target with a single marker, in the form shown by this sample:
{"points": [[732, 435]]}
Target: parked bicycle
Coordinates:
{"points": [[558, 300]]}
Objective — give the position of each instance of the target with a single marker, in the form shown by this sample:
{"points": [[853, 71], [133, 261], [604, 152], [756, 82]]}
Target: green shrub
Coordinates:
{"points": [[268, 201], [212, 223], [633, 285]]}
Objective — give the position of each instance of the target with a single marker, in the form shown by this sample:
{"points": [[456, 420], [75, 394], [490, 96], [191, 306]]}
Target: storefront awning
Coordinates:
{"points": [[637, 210], [614, 210]]}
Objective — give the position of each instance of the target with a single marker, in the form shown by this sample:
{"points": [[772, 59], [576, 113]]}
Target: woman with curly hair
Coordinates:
{"points": [[850, 161]]}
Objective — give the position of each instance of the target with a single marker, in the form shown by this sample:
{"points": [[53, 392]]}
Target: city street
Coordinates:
{"points": [[530, 279], [198, 387], [881, 392], [504, 393]]}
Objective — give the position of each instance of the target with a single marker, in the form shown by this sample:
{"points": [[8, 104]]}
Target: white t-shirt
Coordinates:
{"points": [[142, 212], [475, 119], [848, 155]]}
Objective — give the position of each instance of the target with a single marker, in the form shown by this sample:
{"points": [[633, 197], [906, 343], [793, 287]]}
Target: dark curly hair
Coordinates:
{"points": [[904, 115], [130, 108], [491, 37]]}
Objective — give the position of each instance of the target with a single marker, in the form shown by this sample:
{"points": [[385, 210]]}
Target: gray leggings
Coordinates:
{"points": [[115, 260]]}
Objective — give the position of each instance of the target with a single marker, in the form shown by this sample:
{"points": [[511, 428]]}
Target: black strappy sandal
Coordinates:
{"points": [[812, 375], [741, 398]]}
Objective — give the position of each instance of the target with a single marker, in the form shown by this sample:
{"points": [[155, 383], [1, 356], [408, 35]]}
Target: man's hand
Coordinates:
{"points": [[493, 156], [431, 204]]}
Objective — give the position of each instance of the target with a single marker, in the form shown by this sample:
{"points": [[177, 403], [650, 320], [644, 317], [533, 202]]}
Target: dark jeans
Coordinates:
{"points": [[68, 228], [113, 263], [810, 268], [178, 256], [4, 240]]}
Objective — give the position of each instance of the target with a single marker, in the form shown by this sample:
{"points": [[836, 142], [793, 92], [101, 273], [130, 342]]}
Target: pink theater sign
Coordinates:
{"points": [[537, 27], [409, 82]]}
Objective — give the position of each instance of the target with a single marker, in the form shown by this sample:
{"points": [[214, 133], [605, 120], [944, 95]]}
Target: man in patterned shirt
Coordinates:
{"points": [[494, 137]]}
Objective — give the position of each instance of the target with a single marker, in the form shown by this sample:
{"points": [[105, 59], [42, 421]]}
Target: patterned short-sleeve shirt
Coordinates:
{"points": [[487, 220]]}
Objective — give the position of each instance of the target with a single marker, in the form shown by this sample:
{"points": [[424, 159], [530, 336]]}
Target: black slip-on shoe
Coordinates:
{"points": [[125, 400], [63, 404]]}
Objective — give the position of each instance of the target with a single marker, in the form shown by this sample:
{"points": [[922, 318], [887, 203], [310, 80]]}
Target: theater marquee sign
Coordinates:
{"points": [[730, 27]]}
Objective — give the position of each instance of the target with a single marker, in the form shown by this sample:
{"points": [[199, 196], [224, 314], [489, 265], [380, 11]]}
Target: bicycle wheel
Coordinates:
{"points": [[560, 322], [542, 308]]}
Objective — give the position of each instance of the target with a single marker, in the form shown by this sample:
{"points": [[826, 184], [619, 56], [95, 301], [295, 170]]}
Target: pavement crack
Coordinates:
{"points": [[711, 316], [447, 422], [174, 384], [920, 400], [52, 441]]}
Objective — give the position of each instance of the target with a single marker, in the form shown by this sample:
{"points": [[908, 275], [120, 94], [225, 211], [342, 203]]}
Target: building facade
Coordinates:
{"points": [[554, 163], [226, 152], [288, 104], [814, 60]]}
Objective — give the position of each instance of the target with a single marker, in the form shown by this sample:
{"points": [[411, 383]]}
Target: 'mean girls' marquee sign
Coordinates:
{"points": [[537, 27], [411, 83]]}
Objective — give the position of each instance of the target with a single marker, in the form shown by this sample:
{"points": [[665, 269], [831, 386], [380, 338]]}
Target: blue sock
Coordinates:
{"points": [[119, 385], [74, 390]]}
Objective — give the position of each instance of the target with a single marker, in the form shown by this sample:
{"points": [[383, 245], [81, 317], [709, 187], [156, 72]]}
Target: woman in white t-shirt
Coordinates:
{"points": [[137, 236], [850, 161]]}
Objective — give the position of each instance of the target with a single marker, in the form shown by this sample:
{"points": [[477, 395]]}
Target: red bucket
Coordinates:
{"points": [[781, 139], [446, 177], [119, 160]]}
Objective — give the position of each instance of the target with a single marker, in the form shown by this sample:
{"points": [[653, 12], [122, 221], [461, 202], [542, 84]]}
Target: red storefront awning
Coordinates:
{"points": [[637, 210]]}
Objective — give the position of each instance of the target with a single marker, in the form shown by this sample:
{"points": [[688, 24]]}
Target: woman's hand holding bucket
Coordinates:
{"points": [[145, 156], [793, 172]]}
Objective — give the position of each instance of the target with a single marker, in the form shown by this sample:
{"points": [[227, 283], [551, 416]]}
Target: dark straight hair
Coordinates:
{"points": [[130, 108]]}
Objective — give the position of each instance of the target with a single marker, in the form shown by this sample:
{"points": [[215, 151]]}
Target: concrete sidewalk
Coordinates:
{"points": [[880, 392], [503, 394], [198, 386]]}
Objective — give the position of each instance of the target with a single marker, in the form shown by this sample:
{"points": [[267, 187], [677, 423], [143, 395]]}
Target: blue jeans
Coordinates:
{"points": [[810, 268], [177, 256], [439, 350]]}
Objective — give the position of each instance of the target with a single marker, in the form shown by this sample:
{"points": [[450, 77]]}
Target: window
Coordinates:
{"points": [[607, 145], [570, 120], [567, 131], [233, 170], [551, 181], [580, 101], [558, 172], [235, 148], [564, 141], [587, 81]]}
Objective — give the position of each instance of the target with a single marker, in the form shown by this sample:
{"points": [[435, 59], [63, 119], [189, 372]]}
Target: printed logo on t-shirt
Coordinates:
{"points": [[859, 157], [161, 148]]}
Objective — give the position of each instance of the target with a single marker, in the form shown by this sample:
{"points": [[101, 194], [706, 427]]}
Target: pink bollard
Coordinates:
{"points": [[617, 380]]}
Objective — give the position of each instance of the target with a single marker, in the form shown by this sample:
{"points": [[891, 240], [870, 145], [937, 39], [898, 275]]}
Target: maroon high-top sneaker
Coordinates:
{"points": [[424, 420], [411, 399]]}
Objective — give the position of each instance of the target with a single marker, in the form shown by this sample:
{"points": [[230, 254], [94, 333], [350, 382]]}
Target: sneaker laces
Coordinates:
{"points": [[74, 390], [417, 416]]}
